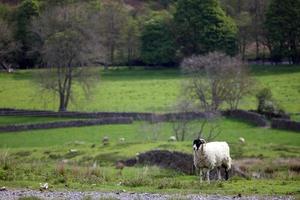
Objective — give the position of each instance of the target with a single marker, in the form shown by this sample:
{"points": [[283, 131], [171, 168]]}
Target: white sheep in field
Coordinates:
{"points": [[208, 156], [172, 139], [242, 140], [121, 140], [105, 140]]}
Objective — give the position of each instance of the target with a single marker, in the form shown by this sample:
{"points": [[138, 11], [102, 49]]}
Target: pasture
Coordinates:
{"points": [[121, 89], [28, 158], [33, 157]]}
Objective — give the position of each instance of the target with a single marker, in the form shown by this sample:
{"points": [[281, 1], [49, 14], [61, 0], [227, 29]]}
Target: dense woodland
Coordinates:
{"points": [[146, 32]]}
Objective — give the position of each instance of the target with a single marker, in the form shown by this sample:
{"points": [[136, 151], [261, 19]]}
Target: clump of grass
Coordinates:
{"points": [[47, 152], [137, 181], [108, 157], [269, 170], [55, 156], [141, 179], [23, 153], [89, 174], [178, 198], [60, 180], [86, 159], [169, 183], [60, 169], [295, 168], [6, 162], [93, 171], [72, 154], [108, 198], [29, 198]]}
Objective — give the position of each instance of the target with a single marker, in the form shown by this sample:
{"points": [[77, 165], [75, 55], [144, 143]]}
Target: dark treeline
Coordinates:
{"points": [[162, 32]]}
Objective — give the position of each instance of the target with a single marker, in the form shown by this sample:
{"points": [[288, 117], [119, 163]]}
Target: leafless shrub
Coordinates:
{"points": [[151, 127], [213, 130], [183, 127], [150, 130], [206, 128], [216, 78]]}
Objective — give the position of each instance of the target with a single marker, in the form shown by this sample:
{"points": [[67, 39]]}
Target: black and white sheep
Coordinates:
{"points": [[208, 156]]}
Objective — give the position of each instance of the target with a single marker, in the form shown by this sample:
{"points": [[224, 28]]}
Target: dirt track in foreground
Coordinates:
{"points": [[72, 195]]}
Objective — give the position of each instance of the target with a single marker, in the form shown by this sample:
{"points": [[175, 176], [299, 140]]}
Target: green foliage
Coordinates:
{"points": [[202, 26], [26, 11], [283, 33], [5, 12], [158, 44], [131, 37], [24, 14], [266, 102]]}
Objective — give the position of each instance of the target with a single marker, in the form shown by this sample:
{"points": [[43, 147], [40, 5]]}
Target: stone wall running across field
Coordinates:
{"points": [[153, 117], [63, 124], [252, 117], [285, 124]]}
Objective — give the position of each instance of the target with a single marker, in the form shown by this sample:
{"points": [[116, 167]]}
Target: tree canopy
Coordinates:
{"points": [[283, 29], [202, 26], [158, 44]]}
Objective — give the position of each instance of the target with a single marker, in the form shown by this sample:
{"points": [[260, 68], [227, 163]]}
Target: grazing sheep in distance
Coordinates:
{"points": [[208, 156], [172, 139], [121, 140], [105, 140], [242, 140]]}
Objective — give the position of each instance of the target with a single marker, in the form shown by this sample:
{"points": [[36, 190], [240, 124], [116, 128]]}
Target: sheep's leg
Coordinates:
{"points": [[200, 175], [226, 174], [219, 173], [207, 175]]}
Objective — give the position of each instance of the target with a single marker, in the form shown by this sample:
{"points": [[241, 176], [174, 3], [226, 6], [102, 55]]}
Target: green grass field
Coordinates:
{"points": [[142, 90], [28, 158]]}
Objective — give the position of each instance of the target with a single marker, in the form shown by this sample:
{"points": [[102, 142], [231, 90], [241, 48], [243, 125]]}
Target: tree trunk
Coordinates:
{"points": [[112, 52], [62, 107], [256, 28]]}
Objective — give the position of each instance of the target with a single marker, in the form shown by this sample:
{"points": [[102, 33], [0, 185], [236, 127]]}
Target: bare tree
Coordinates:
{"points": [[65, 42], [239, 83], [214, 79], [183, 127], [209, 129], [8, 47], [131, 40]]}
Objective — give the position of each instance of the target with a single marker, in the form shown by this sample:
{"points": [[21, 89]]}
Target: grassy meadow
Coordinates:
{"points": [[28, 158], [33, 157], [121, 89]]}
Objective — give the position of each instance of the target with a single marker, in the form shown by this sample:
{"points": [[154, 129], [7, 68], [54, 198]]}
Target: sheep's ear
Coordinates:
{"points": [[202, 141]]}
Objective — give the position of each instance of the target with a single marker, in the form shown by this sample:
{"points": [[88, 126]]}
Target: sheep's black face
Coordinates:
{"points": [[197, 143]]}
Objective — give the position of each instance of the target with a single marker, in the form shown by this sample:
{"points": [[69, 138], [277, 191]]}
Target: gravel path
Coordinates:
{"points": [[71, 195]]}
